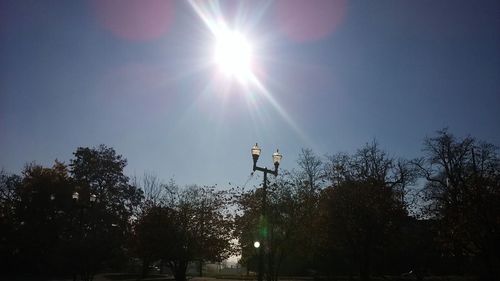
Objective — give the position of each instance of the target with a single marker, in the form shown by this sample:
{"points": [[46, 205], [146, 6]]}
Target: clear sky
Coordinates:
{"points": [[140, 76]]}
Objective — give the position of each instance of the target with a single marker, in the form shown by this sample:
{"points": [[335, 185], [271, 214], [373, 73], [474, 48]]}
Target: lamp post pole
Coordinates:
{"points": [[83, 231], [263, 221]]}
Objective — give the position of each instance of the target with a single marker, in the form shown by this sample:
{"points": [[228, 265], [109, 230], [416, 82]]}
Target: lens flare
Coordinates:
{"points": [[305, 21], [134, 19]]}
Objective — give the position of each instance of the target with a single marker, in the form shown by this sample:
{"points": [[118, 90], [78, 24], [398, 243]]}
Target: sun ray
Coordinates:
{"points": [[281, 111], [210, 13]]}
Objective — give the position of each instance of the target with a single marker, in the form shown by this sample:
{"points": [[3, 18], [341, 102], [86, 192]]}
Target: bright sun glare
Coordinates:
{"points": [[233, 54]]}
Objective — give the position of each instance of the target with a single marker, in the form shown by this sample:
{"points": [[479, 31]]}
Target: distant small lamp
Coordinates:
{"points": [[256, 244], [75, 196], [93, 198]]}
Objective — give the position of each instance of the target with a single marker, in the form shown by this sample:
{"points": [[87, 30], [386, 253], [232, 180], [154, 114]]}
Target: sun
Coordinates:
{"points": [[233, 54]]}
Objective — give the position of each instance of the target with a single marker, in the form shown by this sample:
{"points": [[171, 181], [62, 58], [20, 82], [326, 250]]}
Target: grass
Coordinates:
{"points": [[126, 276]]}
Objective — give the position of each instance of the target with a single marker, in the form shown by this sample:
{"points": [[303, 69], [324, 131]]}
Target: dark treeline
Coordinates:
{"points": [[356, 215]]}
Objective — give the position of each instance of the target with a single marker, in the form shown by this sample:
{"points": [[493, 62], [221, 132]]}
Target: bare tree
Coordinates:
{"points": [[463, 192], [311, 169], [152, 188]]}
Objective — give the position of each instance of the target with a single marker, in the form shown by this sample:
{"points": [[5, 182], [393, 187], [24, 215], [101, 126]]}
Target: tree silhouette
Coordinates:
{"points": [[106, 223], [187, 225], [340, 214], [463, 192], [363, 209]]}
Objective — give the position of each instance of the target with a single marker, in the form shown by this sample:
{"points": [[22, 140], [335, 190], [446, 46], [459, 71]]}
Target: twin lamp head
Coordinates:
{"points": [[256, 153]]}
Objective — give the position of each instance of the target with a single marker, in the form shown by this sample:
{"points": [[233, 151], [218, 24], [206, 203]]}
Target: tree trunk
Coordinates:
{"points": [[200, 264], [145, 265], [180, 275], [488, 272], [179, 270], [364, 270], [459, 263]]}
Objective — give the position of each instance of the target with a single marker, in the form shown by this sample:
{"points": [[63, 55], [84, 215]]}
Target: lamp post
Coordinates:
{"points": [[264, 241], [84, 228], [81, 204]]}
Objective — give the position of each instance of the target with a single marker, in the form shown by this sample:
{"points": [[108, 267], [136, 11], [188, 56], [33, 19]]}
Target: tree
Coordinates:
{"points": [[247, 226], [362, 203], [38, 202], [311, 170], [308, 183], [463, 192], [152, 188], [288, 216], [100, 170], [283, 227], [190, 224], [106, 224], [154, 220], [155, 226], [9, 185]]}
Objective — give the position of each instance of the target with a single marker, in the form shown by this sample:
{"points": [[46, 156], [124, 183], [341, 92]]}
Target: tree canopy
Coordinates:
{"points": [[185, 225], [357, 214]]}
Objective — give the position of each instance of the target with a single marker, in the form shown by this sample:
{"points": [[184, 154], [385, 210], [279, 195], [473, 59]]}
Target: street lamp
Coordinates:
{"points": [[84, 226], [82, 204], [76, 198], [276, 161], [75, 195]]}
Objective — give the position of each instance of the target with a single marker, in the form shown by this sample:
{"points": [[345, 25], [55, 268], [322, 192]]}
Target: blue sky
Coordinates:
{"points": [[333, 75]]}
